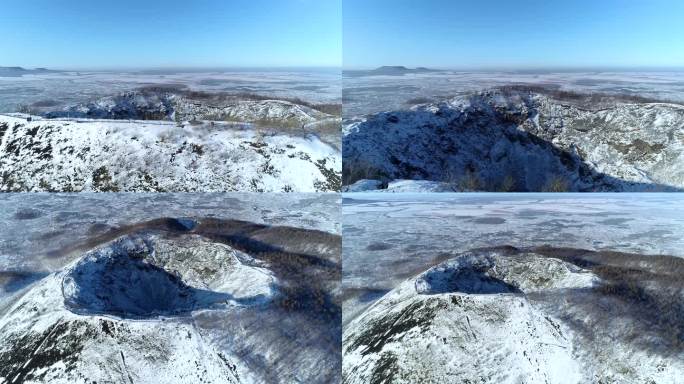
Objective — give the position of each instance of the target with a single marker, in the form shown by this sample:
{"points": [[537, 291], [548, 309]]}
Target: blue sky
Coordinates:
{"points": [[516, 34], [170, 33]]}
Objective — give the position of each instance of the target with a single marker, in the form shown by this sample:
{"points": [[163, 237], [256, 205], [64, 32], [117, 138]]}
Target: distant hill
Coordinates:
{"points": [[388, 70], [19, 71]]}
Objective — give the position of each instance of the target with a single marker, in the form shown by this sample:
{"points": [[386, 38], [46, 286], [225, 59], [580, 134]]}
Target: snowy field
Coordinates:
{"points": [[64, 88], [364, 95], [33, 226], [390, 237]]}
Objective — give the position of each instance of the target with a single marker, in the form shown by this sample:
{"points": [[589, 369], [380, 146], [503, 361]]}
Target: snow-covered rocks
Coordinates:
{"points": [[127, 105], [189, 106], [522, 141], [507, 315], [363, 185], [265, 111], [118, 155], [407, 186]]}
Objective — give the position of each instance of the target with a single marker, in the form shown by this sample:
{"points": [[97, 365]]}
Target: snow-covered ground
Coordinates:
{"points": [[120, 155], [508, 316], [157, 288], [389, 237], [509, 288], [35, 227]]}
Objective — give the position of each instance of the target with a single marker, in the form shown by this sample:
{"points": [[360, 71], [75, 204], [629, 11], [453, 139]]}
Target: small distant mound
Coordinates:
{"points": [[388, 70], [19, 71], [28, 214]]}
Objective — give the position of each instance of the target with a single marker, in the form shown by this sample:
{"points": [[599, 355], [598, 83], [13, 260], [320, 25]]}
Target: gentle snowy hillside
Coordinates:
{"points": [[515, 140], [119, 155]]}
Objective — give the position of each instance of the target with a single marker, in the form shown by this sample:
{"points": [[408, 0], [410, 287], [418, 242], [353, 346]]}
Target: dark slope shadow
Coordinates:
{"points": [[127, 287], [461, 280], [506, 125], [12, 281], [644, 289]]}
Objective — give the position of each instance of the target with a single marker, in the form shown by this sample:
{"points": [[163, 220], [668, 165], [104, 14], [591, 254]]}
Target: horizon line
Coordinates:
{"points": [[171, 67], [526, 68]]}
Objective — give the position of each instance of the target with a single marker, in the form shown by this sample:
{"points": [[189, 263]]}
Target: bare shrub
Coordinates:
{"points": [[355, 170], [470, 181], [24, 108], [508, 184], [556, 184]]}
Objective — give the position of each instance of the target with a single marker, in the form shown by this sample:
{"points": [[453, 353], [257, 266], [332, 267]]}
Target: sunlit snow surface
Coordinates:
{"points": [[65, 88], [390, 237], [371, 94]]}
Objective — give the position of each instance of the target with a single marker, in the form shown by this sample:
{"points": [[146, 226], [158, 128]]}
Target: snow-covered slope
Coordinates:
{"points": [[536, 316], [250, 111], [522, 141], [102, 319], [117, 155], [182, 301], [399, 186]]}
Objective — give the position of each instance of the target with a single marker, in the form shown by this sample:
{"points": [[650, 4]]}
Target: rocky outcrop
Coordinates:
{"points": [[507, 315], [512, 140], [182, 106]]}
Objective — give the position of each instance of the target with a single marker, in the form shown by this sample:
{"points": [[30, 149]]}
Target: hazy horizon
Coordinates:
{"points": [[532, 69], [190, 69]]}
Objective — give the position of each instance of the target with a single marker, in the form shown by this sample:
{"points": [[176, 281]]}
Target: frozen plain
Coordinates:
{"points": [[364, 95], [59, 89]]}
